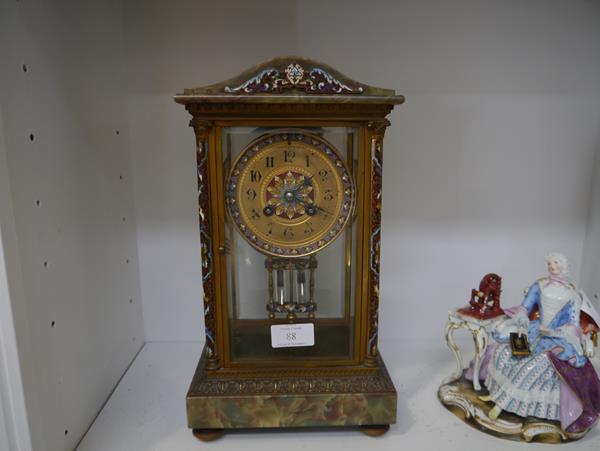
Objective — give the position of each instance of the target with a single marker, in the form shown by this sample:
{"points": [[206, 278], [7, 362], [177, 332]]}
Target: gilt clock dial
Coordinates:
{"points": [[290, 193]]}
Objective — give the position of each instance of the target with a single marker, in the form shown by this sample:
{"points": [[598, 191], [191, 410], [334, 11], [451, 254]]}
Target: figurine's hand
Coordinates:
{"points": [[522, 324], [545, 331]]}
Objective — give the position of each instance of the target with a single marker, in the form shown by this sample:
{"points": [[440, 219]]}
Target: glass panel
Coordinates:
{"points": [[296, 190]]}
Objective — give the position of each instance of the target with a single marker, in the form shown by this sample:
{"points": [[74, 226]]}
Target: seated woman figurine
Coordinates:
{"points": [[556, 381]]}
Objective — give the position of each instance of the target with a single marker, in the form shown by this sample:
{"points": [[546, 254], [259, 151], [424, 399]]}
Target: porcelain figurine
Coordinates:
{"points": [[556, 381], [532, 377]]}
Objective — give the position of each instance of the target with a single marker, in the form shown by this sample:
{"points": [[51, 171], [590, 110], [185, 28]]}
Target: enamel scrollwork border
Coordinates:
{"points": [[202, 129], [295, 76], [376, 132]]}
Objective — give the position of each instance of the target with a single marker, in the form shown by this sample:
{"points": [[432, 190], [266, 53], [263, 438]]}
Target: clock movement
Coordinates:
{"points": [[289, 160]]}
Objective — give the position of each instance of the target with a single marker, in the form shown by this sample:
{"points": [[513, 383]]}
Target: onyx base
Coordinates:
{"points": [[218, 404], [463, 401]]}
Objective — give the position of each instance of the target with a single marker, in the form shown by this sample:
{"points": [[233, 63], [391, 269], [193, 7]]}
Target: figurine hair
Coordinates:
{"points": [[562, 261]]}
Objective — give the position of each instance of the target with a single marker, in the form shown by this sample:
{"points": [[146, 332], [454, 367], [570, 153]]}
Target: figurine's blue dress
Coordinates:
{"points": [[532, 386]]}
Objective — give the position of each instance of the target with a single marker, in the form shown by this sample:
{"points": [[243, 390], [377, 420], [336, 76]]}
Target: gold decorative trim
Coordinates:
{"points": [[307, 110], [290, 383], [202, 130], [249, 373], [377, 130]]}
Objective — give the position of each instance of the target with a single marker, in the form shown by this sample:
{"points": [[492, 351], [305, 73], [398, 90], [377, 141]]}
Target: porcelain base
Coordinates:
{"points": [[463, 401]]}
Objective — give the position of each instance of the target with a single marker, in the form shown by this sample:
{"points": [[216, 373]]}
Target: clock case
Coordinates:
{"points": [[285, 93]]}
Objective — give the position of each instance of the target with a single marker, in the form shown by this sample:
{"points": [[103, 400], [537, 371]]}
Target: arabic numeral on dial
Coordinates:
{"points": [[288, 233], [255, 176], [288, 156], [255, 214], [270, 228], [307, 161], [309, 228], [270, 162], [251, 194], [328, 195], [323, 173]]}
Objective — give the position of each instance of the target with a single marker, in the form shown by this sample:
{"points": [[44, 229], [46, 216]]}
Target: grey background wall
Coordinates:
{"points": [[591, 254], [488, 165]]}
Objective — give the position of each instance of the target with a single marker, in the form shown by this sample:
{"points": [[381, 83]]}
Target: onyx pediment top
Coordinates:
{"points": [[290, 80]]}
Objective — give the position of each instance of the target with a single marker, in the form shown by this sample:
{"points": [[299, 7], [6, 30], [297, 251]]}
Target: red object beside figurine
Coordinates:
{"points": [[485, 302]]}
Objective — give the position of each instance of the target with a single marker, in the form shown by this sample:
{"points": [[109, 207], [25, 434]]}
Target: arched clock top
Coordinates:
{"points": [[290, 80]]}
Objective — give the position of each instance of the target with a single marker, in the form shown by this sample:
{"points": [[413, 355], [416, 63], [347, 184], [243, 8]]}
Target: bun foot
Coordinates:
{"points": [[208, 435], [375, 430]]}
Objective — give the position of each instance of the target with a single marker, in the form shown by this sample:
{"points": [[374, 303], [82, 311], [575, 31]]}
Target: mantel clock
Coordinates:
{"points": [[289, 159]]}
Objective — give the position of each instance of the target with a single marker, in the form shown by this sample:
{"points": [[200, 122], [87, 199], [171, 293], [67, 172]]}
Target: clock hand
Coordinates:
{"points": [[306, 204], [307, 180], [323, 210]]}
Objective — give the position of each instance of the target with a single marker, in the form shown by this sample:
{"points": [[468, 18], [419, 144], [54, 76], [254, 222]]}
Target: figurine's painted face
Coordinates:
{"points": [[555, 266]]}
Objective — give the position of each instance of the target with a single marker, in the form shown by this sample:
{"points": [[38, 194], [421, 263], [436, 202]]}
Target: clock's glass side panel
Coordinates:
{"points": [[265, 288]]}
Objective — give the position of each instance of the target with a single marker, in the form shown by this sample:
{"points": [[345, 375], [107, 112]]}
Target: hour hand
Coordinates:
{"points": [[307, 180], [311, 209]]}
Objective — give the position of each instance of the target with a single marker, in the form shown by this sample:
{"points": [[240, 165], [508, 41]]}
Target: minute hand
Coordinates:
{"points": [[323, 210]]}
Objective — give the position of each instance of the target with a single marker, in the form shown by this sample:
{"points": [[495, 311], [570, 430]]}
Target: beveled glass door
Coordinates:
{"points": [[290, 200]]}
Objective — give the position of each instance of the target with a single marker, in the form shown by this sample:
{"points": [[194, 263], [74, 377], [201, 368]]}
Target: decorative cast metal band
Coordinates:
{"points": [[201, 129], [316, 81], [368, 383], [305, 385], [292, 308], [378, 129], [288, 265], [310, 110]]}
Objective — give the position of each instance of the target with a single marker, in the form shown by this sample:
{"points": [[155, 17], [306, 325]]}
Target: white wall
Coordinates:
{"points": [[67, 218], [488, 165], [14, 424]]}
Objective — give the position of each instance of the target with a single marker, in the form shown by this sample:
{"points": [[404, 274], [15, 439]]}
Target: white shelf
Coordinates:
{"points": [[147, 409]]}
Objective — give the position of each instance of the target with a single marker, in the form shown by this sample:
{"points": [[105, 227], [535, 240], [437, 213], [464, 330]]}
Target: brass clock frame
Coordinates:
{"points": [[289, 92]]}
